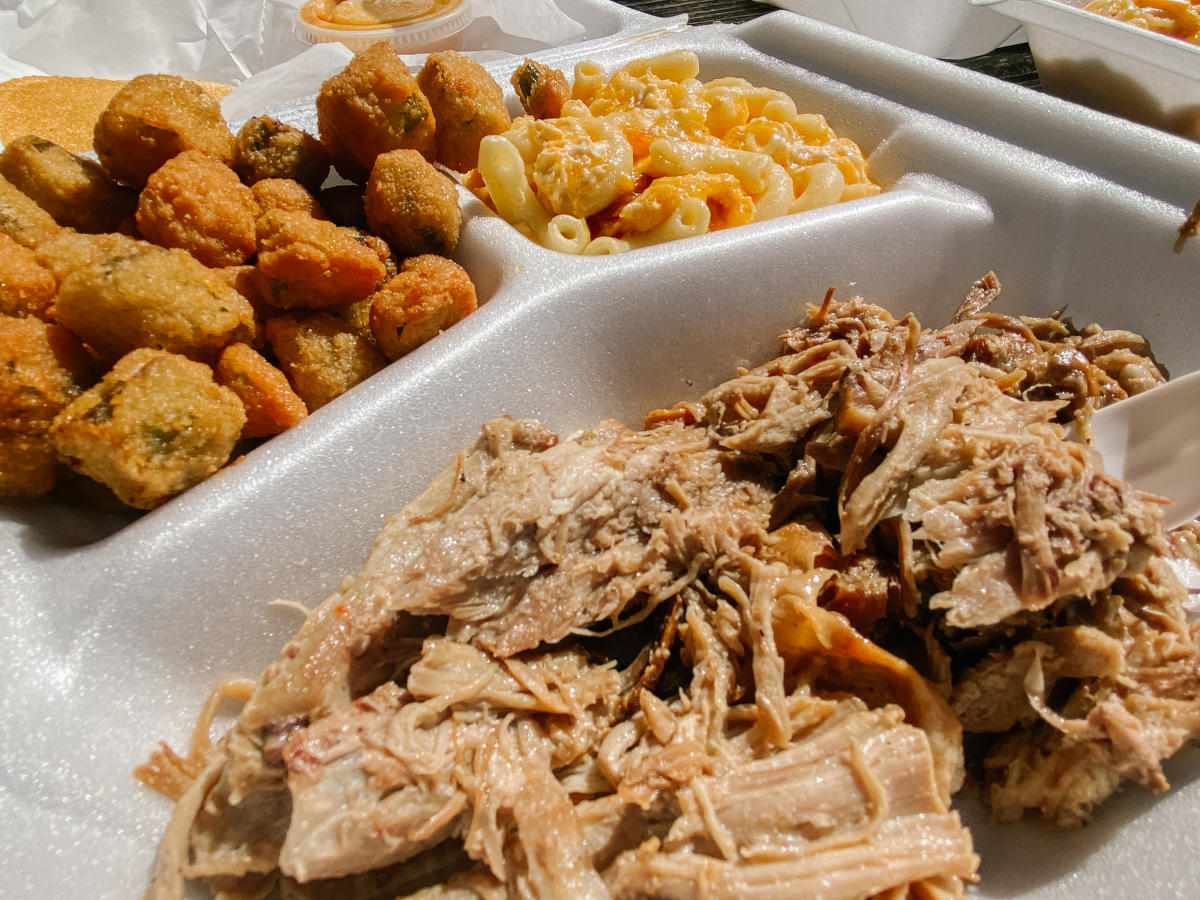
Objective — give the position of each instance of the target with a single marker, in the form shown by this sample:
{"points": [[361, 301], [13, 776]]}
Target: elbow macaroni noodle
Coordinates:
{"points": [[651, 154]]}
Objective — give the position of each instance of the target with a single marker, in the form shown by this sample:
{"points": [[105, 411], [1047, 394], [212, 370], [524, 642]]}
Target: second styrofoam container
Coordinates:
{"points": [[1110, 65], [946, 29]]}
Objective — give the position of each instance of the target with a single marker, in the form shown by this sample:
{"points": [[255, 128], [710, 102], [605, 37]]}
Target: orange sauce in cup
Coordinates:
{"points": [[354, 15]]}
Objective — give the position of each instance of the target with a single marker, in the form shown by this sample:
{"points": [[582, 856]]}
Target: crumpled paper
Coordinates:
{"points": [[217, 40]]}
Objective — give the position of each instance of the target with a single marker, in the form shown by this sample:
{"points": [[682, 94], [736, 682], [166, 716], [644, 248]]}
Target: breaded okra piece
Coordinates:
{"points": [[322, 356], [154, 426], [73, 189], [429, 294], [268, 148], [372, 106], [43, 367], [153, 118], [412, 205], [147, 296], [467, 105], [198, 204]]}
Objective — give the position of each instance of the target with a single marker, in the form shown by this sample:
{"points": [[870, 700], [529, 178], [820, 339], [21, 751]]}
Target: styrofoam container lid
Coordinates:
{"points": [[1110, 65], [419, 33], [946, 29]]}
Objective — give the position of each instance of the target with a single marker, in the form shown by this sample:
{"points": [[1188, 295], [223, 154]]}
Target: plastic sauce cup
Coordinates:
{"points": [[419, 26]]}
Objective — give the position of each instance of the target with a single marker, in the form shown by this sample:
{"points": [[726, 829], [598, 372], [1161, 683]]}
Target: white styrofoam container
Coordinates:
{"points": [[946, 29], [114, 629], [1110, 65]]}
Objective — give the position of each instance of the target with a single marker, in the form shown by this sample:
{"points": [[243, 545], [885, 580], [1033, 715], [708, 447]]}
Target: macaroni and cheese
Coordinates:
{"points": [[651, 154], [1176, 18]]}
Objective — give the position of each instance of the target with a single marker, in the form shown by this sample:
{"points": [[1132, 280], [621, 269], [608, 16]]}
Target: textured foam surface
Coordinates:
{"points": [[114, 629]]}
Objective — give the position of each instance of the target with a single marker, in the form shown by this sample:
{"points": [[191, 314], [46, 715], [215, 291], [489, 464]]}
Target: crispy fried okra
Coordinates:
{"points": [[22, 219], [155, 425], [197, 203], [358, 317], [380, 248], [28, 464], [73, 189], [284, 193], [271, 404], [42, 368], [311, 263], [268, 148], [541, 89], [322, 356], [153, 118], [69, 250], [26, 286], [148, 296], [467, 105], [244, 279], [372, 106], [427, 296], [412, 205]]}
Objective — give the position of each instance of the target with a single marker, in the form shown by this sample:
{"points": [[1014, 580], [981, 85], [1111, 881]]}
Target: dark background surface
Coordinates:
{"points": [[1013, 64]]}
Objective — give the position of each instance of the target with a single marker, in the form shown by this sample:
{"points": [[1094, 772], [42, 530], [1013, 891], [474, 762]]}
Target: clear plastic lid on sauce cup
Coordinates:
{"points": [[408, 25]]}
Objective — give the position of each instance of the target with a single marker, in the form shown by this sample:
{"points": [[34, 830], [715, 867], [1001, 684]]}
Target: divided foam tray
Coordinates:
{"points": [[114, 629]]}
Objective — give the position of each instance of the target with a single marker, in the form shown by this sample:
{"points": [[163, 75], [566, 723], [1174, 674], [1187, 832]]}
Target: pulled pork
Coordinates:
{"points": [[732, 651]]}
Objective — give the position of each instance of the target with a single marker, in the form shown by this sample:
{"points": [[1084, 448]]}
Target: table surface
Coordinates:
{"points": [[1013, 64]]}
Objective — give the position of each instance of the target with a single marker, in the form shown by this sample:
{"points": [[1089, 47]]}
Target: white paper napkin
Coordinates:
{"points": [[217, 40]]}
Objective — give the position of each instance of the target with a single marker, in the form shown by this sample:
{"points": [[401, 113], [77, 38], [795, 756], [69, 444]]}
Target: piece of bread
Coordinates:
{"points": [[62, 108]]}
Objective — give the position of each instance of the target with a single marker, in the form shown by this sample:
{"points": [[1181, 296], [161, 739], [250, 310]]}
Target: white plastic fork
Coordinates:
{"points": [[1152, 440]]}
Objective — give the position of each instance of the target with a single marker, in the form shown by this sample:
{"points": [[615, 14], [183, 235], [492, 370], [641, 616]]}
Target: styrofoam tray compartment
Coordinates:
{"points": [[1110, 65], [946, 29], [113, 644]]}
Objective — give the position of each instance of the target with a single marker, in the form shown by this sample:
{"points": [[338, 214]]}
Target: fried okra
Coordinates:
{"points": [[69, 250], [322, 356], [372, 106], [22, 219], [358, 317], [268, 148], [26, 286], [541, 89], [28, 465], [153, 118], [244, 279], [43, 367], [270, 403], [198, 204], [467, 105], [286, 194], [411, 205], [155, 425], [429, 294], [73, 189], [148, 296], [311, 263]]}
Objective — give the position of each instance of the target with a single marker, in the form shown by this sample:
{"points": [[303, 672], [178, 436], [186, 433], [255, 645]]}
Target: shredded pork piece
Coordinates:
{"points": [[733, 651]]}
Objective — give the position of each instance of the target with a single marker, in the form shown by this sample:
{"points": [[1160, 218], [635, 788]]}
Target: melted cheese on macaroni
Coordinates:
{"points": [[1177, 18], [652, 154]]}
